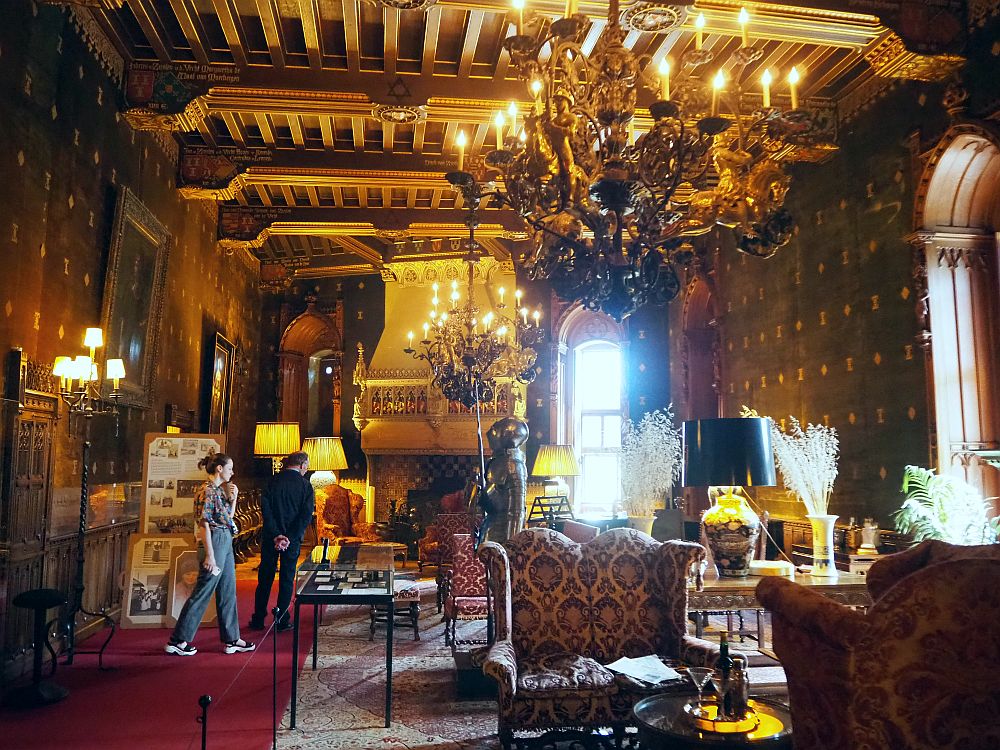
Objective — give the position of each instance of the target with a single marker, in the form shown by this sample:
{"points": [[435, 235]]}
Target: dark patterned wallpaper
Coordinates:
{"points": [[65, 156], [824, 331]]}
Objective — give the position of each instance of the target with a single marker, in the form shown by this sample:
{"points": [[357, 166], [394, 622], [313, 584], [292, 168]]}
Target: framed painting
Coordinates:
{"points": [[145, 595], [221, 393], [133, 296]]}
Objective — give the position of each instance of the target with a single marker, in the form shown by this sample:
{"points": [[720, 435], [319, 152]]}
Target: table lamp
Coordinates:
{"points": [[554, 462], [326, 455], [726, 455], [275, 440]]}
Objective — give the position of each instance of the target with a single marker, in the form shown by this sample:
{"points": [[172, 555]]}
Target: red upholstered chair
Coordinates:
{"points": [[579, 532], [464, 587], [917, 671], [565, 610], [435, 546], [343, 516]]}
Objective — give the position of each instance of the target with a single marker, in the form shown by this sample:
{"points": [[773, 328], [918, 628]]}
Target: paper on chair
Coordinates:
{"points": [[645, 668]]}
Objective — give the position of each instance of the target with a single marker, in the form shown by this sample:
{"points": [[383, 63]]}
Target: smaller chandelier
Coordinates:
{"points": [[613, 214], [469, 349]]}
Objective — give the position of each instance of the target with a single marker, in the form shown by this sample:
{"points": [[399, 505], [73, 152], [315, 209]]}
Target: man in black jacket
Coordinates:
{"points": [[287, 506]]}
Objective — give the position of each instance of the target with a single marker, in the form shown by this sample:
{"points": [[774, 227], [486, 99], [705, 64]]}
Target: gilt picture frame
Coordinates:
{"points": [[221, 385], [133, 296]]}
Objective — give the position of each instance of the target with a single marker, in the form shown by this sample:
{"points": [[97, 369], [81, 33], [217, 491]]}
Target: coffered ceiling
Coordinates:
{"points": [[323, 128]]}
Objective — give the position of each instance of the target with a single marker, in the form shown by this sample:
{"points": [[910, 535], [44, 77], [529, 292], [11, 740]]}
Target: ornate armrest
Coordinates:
{"points": [[333, 530], [697, 652], [839, 626], [887, 570], [501, 665]]}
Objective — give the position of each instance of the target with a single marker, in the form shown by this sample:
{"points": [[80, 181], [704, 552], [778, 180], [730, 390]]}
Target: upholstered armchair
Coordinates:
{"points": [[343, 515], [889, 569], [434, 548], [464, 587], [917, 671], [565, 610]]}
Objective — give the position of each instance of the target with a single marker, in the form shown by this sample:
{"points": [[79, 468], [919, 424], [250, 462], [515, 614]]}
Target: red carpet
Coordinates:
{"points": [[150, 699]]}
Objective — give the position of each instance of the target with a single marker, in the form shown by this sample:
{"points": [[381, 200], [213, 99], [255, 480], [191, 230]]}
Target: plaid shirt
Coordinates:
{"points": [[212, 505]]}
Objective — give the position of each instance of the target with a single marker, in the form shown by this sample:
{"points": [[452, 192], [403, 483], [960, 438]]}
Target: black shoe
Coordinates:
{"points": [[255, 624], [284, 625]]}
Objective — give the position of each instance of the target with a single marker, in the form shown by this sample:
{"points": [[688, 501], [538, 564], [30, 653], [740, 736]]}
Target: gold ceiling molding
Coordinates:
{"points": [[98, 43], [890, 58], [99, 4], [444, 271], [340, 178], [322, 272]]}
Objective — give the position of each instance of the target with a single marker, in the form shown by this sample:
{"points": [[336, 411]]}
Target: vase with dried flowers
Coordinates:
{"points": [[651, 464], [807, 462]]}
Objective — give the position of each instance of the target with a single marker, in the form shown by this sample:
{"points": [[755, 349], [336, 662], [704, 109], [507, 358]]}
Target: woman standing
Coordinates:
{"points": [[214, 508]]}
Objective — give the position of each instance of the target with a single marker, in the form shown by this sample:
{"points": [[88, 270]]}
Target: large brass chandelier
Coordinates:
{"points": [[612, 215], [468, 348]]}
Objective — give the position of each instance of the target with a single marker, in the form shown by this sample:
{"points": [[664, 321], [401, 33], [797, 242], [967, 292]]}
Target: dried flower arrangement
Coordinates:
{"points": [[806, 459], [651, 461]]}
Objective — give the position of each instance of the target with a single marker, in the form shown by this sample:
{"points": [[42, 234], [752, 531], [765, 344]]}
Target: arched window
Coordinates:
{"points": [[598, 407], [592, 406]]}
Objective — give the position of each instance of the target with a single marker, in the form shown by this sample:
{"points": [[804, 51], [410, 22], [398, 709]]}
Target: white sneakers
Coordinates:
{"points": [[181, 648], [238, 646]]}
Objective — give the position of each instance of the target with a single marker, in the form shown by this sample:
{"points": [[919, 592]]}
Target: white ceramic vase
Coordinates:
{"points": [[824, 565], [642, 523]]}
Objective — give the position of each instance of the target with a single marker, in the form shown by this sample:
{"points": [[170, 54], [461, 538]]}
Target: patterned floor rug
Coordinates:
{"points": [[341, 703]]}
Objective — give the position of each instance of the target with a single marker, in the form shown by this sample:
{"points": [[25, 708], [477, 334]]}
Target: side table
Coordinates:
{"points": [[663, 724]]}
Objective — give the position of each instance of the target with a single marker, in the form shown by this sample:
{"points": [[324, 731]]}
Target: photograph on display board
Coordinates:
{"points": [[185, 566], [146, 593], [171, 479]]}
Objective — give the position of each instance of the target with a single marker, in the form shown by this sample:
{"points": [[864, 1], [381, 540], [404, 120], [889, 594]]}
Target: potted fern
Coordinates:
{"points": [[942, 506], [651, 464]]}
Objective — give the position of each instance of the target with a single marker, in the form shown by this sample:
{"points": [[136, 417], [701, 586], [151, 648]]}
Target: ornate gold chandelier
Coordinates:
{"points": [[612, 214], [469, 349]]}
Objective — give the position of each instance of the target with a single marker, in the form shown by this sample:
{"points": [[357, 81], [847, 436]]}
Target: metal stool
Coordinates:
{"points": [[39, 693]]}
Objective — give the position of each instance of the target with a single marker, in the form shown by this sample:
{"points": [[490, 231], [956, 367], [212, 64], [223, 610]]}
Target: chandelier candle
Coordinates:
{"points": [[498, 122], [519, 6], [665, 79], [699, 27], [744, 19], [765, 82], [793, 80], [460, 142]]}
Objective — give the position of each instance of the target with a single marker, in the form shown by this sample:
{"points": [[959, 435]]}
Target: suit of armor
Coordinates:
{"points": [[506, 479]]}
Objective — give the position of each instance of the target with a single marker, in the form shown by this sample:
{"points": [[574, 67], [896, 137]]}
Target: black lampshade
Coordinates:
{"points": [[728, 453]]}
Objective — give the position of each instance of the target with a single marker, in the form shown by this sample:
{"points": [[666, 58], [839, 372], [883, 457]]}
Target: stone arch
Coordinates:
{"points": [[310, 334], [957, 215]]}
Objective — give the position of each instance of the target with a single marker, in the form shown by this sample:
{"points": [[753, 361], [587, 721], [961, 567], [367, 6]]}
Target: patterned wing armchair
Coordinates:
{"points": [[917, 671], [891, 568], [564, 610], [343, 515], [464, 587]]}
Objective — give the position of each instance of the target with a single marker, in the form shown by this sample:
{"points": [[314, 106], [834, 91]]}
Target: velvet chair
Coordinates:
{"points": [[565, 610], [892, 568], [918, 671], [579, 532], [343, 516], [464, 592]]}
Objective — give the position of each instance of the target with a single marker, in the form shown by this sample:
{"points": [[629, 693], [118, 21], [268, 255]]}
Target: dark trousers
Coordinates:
{"points": [[269, 559]]}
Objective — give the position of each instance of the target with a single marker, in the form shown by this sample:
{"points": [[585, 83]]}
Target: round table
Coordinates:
{"points": [[663, 723]]}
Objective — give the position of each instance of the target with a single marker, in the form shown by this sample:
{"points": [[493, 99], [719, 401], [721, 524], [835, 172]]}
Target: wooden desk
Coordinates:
{"points": [[741, 593]]}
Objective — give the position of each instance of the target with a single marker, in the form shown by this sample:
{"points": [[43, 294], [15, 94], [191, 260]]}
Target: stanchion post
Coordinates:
{"points": [[204, 701], [274, 681]]}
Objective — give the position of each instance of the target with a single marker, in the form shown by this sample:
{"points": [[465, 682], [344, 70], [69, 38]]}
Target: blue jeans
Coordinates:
{"points": [[224, 588]]}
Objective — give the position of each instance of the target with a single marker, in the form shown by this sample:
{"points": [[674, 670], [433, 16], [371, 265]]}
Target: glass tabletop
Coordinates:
{"points": [[665, 716]]}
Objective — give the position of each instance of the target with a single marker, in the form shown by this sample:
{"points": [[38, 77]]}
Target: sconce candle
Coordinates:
{"points": [[765, 82], [115, 371]]}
